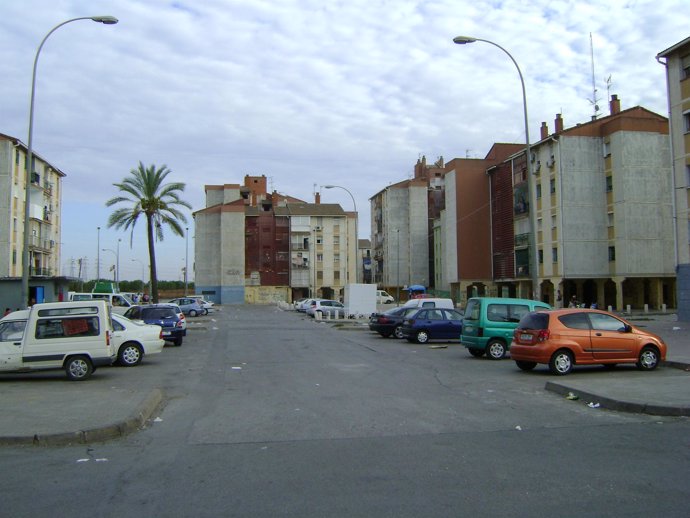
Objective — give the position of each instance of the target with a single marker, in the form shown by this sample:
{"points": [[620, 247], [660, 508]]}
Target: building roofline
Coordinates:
{"points": [[673, 48], [21, 144]]}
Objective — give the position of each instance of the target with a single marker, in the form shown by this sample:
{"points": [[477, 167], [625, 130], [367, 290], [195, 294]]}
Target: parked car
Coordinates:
{"points": [[389, 323], [189, 306], [305, 304], [168, 316], [432, 324], [132, 340], [119, 301], [326, 307], [566, 337], [206, 304], [430, 302], [74, 336], [383, 297], [489, 323]]}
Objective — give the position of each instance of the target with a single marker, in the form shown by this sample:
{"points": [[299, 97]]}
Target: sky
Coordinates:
{"points": [[305, 92]]}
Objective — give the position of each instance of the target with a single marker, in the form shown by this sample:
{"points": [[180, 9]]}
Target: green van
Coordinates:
{"points": [[488, 324]]}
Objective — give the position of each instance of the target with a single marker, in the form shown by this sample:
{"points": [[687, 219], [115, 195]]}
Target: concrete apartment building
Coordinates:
{"points": [[402, 217], [256, 247], [603, 214], [677, 61], [45, 284]]}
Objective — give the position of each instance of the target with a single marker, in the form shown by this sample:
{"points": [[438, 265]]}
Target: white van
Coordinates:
{"points": [[119, 301], [383, 297], [74, 336], [429, 302]]}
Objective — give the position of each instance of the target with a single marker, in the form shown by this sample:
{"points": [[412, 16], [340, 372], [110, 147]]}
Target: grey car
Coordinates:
{"points": [[189, 306], [327, 307]]}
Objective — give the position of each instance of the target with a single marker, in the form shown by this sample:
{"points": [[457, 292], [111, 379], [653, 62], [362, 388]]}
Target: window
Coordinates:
{"points": [[336, 240], [540, 253], [554, 255], [686, 122], [575, 321], [336, 276], [609, 183], [685, 67], [554, 221], [607, 149], [687, 175], [552, 186], [319, 257], [336, 258], [67, 327], [612, 253], [538, 190], [603, 322]]}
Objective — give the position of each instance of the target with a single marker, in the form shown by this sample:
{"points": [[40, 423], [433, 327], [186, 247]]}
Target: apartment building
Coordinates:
{"points": [[258, 247], [677, 62], [44, 225], [603, 215], [402, 217]]}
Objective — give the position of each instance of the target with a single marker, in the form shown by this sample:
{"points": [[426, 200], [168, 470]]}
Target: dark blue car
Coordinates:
{"points": [[432, 324], [164, 315]]}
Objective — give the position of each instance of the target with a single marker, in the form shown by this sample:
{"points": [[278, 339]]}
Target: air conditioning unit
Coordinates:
{"points": [[317, 228], [537, 167], [551, 162]]}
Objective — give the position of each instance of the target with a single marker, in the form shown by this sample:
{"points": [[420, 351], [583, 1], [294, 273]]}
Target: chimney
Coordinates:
{"points": [[558, 123], [544, 130], [317, 198], [615, 104]]}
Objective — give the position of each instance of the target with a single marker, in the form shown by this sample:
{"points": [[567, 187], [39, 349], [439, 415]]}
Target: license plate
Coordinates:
{"points": [[166, 333], [526, 337]]}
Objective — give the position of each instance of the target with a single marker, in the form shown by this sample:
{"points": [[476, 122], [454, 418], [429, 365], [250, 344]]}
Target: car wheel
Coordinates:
{"points": [[495, 350], [525, 366], [477, 353], [397, 332], [130, 354], [78, 368], [422, 337], [561, 363], [192, 313], [177, 341], [649, 359]]}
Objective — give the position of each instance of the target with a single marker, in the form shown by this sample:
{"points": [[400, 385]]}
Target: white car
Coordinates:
{"points": [[134, 339]]}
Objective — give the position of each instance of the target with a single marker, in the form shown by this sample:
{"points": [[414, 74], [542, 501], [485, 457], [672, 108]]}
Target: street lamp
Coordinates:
{"points": [[107, 20], [117, 263], [143, 275], [98, 255], [186, 258], [397, 282], [356, 234], [463, 40]]}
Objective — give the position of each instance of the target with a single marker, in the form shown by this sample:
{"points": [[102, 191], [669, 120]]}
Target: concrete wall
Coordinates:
{"points": [[583, 230], [642, 190], [6, 162], [232, 255], [449, 233], [418, 252]]}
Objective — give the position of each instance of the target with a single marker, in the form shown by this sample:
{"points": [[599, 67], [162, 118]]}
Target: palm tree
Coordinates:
{"points": [[146, 194]]}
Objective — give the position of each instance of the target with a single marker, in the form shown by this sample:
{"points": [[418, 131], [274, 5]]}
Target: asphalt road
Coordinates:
{"points": [[269, 413]]}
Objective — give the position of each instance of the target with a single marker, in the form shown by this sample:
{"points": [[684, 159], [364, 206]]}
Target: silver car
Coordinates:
{"points": [[326, 307]]}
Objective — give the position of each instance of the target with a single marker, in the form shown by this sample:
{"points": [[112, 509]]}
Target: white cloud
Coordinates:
{"points": [[306, 92]]}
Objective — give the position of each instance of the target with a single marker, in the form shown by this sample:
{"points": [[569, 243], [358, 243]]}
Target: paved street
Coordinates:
{"points": [[269, 413]]}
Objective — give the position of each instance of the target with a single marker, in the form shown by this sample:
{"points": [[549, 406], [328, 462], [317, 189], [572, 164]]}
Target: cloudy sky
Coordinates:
{"points": [[305, 92]]}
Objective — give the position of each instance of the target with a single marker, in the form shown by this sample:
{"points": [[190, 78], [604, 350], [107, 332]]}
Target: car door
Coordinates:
{"points": [[11, 333], [611, 338], [453, 324], [435, 323]]}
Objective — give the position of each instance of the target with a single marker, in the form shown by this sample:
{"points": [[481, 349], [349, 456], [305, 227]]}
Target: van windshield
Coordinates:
{"points": [[472, 310]]}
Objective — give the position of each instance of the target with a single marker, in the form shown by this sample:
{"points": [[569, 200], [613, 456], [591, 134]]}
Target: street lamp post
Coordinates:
{"points": [[117, 263], [98, 255], [143, 275], [462, 40], [397, 282], [108, 20], [356, 231], [186, 258]]}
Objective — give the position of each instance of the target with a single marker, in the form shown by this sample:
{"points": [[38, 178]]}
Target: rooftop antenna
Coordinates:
{"points": [[593, 101], [609, 84]]}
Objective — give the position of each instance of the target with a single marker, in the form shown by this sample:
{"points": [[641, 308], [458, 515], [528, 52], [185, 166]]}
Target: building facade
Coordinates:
{"points": [[258, 247], [45, 283], [677, 62]]}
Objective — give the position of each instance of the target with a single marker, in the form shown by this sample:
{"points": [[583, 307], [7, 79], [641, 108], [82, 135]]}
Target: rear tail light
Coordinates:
{"points": [[160, 335], [543, 335], [383, 320], [179, 324]]}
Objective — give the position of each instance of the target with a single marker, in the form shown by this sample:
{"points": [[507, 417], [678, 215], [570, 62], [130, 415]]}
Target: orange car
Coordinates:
{"points": [[566, 337]]}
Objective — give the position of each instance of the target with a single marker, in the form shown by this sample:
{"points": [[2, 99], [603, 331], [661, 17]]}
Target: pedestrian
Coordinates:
{"points": [[559, 299], [573, 302], [7, 312]]}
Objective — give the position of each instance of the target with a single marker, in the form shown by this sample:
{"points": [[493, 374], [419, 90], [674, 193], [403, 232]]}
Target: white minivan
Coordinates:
{"points": [[383, 297], [119, 301], [429, 302], [74, 336]]}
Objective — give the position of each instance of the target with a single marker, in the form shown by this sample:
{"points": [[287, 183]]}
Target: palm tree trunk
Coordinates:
{"points": [[152, 258]]}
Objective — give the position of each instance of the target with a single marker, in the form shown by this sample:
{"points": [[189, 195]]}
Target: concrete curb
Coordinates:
{"points": [[102, 433], [615, 404]]}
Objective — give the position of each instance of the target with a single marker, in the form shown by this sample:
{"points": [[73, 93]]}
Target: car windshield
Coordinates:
{"points": [[12, 330]]}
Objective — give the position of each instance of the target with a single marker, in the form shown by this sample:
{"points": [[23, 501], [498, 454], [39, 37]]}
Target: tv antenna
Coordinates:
{"points": [[594, 101]]}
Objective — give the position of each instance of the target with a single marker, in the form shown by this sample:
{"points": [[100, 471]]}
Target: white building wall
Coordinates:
{"points": [[642, 193], [583, 232], [418, 251], [396, 237]]}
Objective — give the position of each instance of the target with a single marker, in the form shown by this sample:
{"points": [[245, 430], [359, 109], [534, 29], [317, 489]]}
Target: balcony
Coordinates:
{"points": [[41, 272], [522, 240]]}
